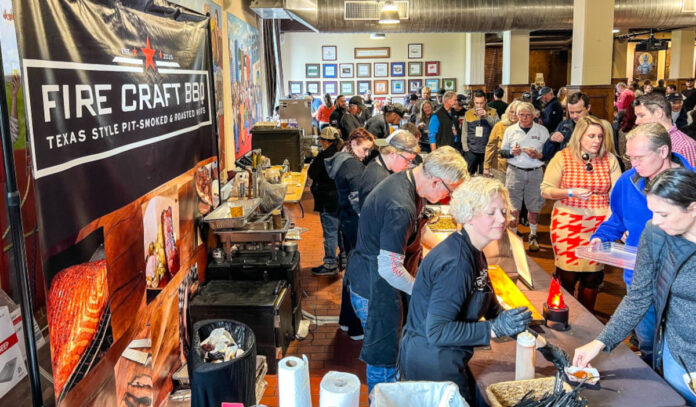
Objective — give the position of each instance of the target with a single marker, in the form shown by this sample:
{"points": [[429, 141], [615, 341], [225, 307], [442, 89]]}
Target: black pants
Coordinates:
{"points": [[590, 280], [347, 317], [474, 162]]}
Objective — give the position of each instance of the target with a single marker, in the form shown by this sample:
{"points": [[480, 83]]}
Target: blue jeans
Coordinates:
{"points": [[674, 373], [375, 374], [329, 227], [645, 331]]}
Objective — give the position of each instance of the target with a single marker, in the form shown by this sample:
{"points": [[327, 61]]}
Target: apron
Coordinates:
{"points": [[381, 343], [422, 361]]}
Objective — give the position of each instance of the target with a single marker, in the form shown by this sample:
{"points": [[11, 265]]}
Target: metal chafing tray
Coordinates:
{"points": [[220, 218]]}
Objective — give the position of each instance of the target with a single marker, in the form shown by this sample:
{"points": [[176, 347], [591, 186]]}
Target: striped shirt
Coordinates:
{"points": [[683, 145]]}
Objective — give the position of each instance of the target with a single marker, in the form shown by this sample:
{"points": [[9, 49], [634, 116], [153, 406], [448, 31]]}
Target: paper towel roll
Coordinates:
{"points": [[339, 389], [293, 382]]}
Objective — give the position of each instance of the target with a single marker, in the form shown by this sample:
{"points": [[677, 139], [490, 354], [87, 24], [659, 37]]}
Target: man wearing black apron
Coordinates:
{"points": [[386, 257]]}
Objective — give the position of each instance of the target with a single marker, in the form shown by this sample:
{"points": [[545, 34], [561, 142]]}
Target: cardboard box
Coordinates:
{"points": [[12, 367]]}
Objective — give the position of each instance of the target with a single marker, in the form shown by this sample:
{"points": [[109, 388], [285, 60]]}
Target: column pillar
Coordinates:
{"points": [[681, 66], [618, 65], [475, 60], [591, 66], [515, 64]]}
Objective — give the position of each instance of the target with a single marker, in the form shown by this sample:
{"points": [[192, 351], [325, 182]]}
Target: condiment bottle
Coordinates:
{"points": [[525, 356]]}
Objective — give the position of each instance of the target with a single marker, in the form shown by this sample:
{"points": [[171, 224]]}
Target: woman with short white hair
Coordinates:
{"points": [[452, 292]]}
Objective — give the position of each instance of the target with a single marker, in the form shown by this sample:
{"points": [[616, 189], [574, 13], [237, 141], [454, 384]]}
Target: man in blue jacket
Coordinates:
{"points": [[649, 148], [552, 114], [578, 106]]}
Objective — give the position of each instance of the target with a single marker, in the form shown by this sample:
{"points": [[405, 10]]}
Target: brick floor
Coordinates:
{"points": [[328, 348]]}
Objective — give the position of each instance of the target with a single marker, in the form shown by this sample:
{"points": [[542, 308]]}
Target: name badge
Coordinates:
{"points": [[479, 131]]}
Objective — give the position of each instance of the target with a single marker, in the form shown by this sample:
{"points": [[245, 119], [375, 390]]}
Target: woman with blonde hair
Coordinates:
{"points": [[492, 160], [579, 178]]}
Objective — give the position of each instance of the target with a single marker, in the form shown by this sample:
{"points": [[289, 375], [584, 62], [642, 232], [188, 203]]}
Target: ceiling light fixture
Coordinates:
{"points": [[615, 30], [389, 14], [378, 36]]}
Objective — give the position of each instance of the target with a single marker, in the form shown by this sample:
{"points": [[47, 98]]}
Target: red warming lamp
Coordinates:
{"points": [[555, 310]]}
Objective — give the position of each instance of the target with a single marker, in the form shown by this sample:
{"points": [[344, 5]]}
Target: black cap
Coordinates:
{"points": [[544, 91], [413, 96], [441, 92], [358, 101], [676, 96]]}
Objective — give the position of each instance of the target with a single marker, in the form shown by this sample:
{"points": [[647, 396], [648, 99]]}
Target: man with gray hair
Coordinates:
{"points": [[624, 97], [654, 108], [383, 265], [523, 143], [441, 130], [649, 148]]}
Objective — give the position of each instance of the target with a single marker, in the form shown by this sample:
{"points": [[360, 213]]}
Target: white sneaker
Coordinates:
{"points": [[357, 337], [344, 328]]}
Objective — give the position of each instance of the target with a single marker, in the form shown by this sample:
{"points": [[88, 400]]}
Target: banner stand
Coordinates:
{"points": [[14, 214], [216, 131]]}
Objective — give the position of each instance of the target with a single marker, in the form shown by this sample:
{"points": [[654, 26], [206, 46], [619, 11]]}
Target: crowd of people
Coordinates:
{"points": [[499, 163]]}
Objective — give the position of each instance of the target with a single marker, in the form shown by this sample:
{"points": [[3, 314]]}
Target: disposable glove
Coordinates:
{"points": [[511, 322]]}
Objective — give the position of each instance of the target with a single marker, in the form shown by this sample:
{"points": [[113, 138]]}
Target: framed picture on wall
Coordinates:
{"points": [[432, 68], [449, 84], [313, 87], [381, 52], [331, 87], [415, 69], [330, 71], [433, 84], [345, 70], [398, 69], [312, 70], [364, 86], [381, 69], [328, 53], [295, 87], [415, 51], [381, 87], [398, 86], [347, 88], [413, 85], [364, 70]]}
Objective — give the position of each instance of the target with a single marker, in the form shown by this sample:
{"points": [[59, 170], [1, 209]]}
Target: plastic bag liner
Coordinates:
{"points": [[272, 195], [417, 394], [232, 381]]}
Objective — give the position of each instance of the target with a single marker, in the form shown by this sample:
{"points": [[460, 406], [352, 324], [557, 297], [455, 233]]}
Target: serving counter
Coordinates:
{"points": [[626, 379]]}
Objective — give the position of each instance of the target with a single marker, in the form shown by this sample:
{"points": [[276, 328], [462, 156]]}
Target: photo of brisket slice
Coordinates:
{"points": [[77, 300], [170, 249]]}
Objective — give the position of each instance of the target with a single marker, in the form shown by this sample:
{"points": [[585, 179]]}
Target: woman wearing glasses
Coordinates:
{"points": [[396, 153], [579, 178]]}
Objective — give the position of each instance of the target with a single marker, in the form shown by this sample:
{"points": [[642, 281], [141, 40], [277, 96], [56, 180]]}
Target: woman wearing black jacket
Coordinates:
{"points": [[452, 292], [326, 199], [346, 168]]}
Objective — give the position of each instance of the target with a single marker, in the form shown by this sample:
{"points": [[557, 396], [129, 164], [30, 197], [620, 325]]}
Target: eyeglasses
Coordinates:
{"points": [[408, 160], [449, 191], [588, 164]]}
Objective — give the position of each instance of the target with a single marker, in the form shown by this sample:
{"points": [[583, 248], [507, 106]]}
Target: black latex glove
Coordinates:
{"points": [[555, 355], [511, 322]]}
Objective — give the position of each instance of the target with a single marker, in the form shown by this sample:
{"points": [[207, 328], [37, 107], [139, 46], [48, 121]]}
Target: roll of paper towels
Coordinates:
{"points": [[339, 389], [293, 382]]}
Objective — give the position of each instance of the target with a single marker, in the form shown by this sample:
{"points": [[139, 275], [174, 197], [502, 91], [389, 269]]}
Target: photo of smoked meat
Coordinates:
{"points": [[170, 248], [77, 301]]}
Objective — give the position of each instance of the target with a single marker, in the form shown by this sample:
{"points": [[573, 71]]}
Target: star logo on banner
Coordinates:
{"points": [[149, 54]]}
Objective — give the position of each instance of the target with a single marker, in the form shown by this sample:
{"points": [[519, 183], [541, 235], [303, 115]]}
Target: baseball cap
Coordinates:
{"points": [[358, 101], [543, 91], [673, 97], [329, 133], [397, 108]]}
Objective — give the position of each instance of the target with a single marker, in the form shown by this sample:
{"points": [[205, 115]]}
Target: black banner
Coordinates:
{"points": [[117, 103]]}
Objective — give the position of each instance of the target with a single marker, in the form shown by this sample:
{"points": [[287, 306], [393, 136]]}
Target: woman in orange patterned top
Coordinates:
{"points": [[579, 178]]}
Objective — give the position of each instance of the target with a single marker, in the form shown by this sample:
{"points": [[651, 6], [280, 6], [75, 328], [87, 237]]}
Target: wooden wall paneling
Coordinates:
{"points": [[614, 81], [513, 92]]}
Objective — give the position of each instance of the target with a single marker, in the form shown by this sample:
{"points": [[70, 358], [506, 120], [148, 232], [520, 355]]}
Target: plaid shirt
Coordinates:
{"points": [[683, 145]]}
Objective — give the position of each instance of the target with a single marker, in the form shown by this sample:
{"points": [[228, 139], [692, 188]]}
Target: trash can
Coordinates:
{"points": [[231, 381], [417, 394]]}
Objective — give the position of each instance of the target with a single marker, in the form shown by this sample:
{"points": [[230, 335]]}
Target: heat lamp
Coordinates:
{"points": [[555, 310]]}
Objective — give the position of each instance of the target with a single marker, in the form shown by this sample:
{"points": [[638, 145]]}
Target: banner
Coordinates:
{"points": [[117, 103]]}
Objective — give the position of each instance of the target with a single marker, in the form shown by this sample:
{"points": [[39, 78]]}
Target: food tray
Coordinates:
{"points": [[444, 223], [610, 253], [507, 394], [220, 218]]}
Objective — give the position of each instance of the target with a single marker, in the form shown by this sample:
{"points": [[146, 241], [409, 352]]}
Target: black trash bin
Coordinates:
{"points": [[232, 381]]}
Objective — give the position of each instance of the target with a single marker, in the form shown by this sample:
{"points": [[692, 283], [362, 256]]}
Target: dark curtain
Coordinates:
{"points": [[272, 61]]}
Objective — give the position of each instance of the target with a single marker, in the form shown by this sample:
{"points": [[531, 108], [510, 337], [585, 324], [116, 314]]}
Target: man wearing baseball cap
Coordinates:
{"points": [[351, 118], [379, 124], [676, 103], [553, 111]]}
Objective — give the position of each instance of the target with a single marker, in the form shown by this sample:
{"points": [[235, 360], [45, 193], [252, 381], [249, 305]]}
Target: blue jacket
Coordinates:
{"points": [[629, 210], [552, 114]]}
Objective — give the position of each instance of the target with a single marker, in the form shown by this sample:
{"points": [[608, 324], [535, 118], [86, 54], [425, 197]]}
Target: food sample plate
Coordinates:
{"points": [[588, 375], [610, 253]]}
